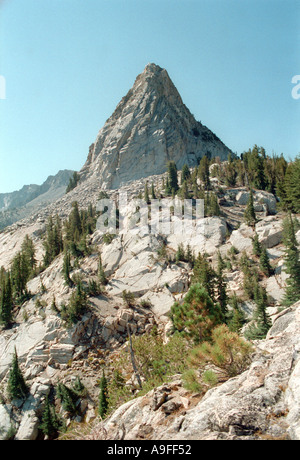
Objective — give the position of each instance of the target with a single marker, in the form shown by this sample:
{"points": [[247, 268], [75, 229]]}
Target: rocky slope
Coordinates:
{"points": [[50, 353], [261, 403], [149, 127]]}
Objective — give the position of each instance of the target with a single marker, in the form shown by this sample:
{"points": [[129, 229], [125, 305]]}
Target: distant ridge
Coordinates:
{"points": [[19, 204]]}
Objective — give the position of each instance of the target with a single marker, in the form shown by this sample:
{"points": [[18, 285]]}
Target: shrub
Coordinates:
{"points": [[228, 353]]}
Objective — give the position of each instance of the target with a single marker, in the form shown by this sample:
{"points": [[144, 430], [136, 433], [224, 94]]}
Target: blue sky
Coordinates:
{"points": [[67, 64]]}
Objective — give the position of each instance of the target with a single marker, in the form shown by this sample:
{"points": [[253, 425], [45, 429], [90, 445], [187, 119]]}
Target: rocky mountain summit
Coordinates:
{"points": [[149, 127]]}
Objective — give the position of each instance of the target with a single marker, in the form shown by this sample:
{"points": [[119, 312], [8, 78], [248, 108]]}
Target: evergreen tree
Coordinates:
{"points": [[180, 253], [264, 262], [204, 274], [146, 194], [249, 215], [6, 300], [290, 191], [256, 246], [50, 423], [17, 387], [101, 274], [53, 243], [185, 174], [73, 181], [153, 195], [212, 207], [197, 315], [172, 177], [68, 398], [292, 262], [203, 172], [20, 272], [221, 286], [103, 397], [28, 251], [236, 317], [67, 268], [262, 322]]}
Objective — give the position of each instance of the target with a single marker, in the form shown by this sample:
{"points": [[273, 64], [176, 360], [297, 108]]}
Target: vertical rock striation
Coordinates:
{"points": [[149, 127]]}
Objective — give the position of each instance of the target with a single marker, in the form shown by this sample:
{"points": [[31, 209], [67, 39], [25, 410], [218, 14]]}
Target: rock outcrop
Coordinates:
{"points": [[261, 403], [149, 127]]}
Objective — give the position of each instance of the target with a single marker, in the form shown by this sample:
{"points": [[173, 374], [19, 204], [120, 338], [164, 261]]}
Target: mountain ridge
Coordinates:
{"points": [[21, 203]]}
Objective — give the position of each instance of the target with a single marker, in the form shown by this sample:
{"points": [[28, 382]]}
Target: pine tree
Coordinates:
{"points": [[103, 397], [262, 322], [292, 262], [6, 300], [236, 318], [172, 176], [146, 194], [67, 268], [180, 254], [153, 195], [203, 172], [185, 174], [264, 262], [50, 423], [17, 387], [68, 398], [256, 246], [249, 215], [20, 272], [204, 274], [101, 274], [197, 315], [221, 286], [28, 250]]}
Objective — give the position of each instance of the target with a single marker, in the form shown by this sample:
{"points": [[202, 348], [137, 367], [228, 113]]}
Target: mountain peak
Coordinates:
{"points": [[149, 127]]}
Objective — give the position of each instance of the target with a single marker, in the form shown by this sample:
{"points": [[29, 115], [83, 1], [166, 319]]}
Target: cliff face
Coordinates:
{"points": [[149, 127]]}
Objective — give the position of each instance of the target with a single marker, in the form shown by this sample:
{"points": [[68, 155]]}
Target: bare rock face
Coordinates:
{"points": [[149, 127]]}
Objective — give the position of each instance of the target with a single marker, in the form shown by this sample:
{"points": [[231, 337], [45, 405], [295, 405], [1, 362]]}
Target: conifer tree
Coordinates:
{"points": [[67, 268], [221, 286], [16, 387], [20, 272], [172, 176], [262, 322], [185, 173], [6, 300], [146, 194], [292, 262], [101, 274], [103, 397], [249, 215], [197, 315], [256, 246], [68, 397], [153, 195], [203, 172], [28, 250], [204, 274], [236, 316], [264, 262], [180, 253], [50, 423]]}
